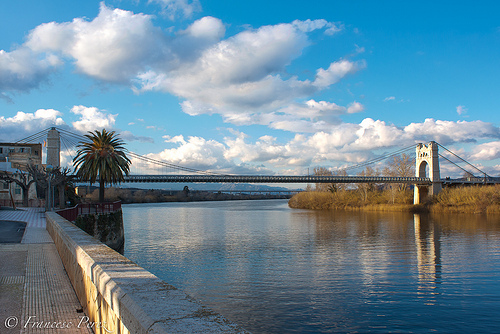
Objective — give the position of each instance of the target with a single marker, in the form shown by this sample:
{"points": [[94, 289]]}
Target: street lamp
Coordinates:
{"points": [[49, 170]]}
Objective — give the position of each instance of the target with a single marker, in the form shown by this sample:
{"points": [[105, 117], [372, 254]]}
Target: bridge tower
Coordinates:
{"points": [[53, 148], [427, 156]]}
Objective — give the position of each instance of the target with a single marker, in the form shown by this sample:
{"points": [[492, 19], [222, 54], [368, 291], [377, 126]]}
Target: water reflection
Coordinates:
{"points": [[277, 270], [427, 241]]}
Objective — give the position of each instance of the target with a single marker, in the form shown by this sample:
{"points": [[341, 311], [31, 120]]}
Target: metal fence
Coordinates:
{"points": [[89, 208]]}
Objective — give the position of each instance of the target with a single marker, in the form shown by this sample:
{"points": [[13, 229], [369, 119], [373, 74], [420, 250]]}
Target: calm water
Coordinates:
{"points": [[272, 269]]}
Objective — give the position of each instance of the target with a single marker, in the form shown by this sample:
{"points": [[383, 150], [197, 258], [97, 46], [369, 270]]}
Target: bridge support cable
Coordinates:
{"points": [[484, 173], [34, 137], [456, 165], [169, 165], [379, 159]]}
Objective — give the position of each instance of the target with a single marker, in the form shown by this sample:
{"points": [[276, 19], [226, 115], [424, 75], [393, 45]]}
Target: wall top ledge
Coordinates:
{"points": [[143, 302]]}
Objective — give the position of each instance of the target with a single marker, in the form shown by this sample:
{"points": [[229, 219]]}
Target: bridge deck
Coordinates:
{"points": [[274, 179]]}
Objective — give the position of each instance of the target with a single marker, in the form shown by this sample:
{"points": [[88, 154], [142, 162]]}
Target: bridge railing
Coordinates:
{"points": [[89, 208], [274, 179]]}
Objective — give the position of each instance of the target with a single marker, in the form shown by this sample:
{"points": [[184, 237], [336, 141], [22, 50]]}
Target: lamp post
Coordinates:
{"points": [[49, 169]]}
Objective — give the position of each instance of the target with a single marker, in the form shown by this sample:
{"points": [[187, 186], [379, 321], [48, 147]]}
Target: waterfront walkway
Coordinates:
{"points": [[36, 295]]}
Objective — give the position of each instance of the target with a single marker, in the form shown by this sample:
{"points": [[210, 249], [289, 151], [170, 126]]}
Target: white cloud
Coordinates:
{"points": [[336, 71], [461, 110], [343, 144], [26, 124], [355, 107], [22, 70], [92, 119], [129, 136], [171, 8], [486, 151], [194, 152], [244, 72], [247, 71], [446, 132], [389, 98], [113, 47], [207, 27], [334, 145], [311, 25]]}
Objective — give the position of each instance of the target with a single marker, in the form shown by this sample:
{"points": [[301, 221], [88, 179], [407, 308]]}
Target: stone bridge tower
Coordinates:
{"points": [[53, 148], [427, 158]]}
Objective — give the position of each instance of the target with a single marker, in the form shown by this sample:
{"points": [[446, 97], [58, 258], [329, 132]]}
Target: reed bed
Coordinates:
{"points": [[471, 199]]}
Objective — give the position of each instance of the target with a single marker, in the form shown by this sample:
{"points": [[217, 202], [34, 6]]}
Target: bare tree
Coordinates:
{"points": [[322, 171], [22, 179], [399, 166], [365, 188], [59, 178]]}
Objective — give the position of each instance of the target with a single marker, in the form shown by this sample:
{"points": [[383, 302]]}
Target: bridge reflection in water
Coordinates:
{"points": [[428, 247]]}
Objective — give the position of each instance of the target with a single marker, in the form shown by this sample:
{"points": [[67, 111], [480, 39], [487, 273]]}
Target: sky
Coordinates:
{"points": [[257, 87]]}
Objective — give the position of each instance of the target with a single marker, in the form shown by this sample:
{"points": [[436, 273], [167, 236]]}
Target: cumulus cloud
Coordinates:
{"points": [[447, 132], [194, 152], [487, 151], [113, 47], [389, 98], [92, 118], [22, 69], [343, 144], [212, 75], [244, 72], [26, 124]]}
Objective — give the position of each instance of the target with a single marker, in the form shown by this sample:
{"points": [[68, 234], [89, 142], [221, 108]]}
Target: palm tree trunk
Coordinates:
{"points": [[101, 190]]}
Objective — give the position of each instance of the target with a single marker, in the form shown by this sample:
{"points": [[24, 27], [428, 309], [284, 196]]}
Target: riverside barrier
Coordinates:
{"points": [[119, 296]]}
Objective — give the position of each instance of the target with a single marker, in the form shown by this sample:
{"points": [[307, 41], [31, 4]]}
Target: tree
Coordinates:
{"points": [[402, 166], [59, 179], [103, 158], [322, 171], [365, 188], [22, 179]]}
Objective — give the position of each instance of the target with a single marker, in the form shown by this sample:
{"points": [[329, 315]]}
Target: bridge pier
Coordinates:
{"points": [[427, 157]]}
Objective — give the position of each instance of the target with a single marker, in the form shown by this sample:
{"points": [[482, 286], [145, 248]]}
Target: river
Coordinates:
{"points": [[273, 269]]}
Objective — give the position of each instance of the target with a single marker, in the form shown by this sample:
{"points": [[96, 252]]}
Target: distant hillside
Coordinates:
{"points": [[204, 186]]}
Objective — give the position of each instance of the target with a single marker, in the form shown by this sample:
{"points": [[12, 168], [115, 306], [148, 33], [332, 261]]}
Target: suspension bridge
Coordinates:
{"points": [[145, 169]]}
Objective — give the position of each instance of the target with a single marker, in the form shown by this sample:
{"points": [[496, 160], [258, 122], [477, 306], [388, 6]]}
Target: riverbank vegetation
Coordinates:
{"points": [[472, 199], [467, 199], [394, 197]]}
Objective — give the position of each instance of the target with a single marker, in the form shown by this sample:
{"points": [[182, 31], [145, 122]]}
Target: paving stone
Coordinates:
{"points": [[34, 287]]}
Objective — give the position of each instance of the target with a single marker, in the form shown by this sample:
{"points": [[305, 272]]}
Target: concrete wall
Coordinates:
{"points": [[121, 297]]}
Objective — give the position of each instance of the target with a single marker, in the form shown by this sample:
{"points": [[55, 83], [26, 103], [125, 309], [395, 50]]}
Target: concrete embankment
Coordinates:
{"points": [[121, 297]]}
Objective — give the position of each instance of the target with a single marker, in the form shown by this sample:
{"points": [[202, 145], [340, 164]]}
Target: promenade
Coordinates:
{"points": [[36, 295]]}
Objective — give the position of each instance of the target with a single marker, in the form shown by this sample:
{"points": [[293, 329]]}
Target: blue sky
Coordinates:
{"points": [[257, 86]]}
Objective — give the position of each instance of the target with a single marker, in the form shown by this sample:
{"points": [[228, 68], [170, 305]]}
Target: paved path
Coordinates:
{"points": [[36, 295]]}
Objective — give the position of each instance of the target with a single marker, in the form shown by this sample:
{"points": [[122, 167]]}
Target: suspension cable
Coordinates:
{"points": [[464, 161], [442, 156], [378, 159], [30, 138]]}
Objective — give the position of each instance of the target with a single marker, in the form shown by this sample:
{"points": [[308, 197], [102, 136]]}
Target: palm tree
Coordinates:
{"points": [[103, 159]]}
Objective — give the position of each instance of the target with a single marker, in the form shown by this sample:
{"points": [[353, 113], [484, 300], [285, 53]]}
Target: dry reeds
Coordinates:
{"points": [[473, 199]]}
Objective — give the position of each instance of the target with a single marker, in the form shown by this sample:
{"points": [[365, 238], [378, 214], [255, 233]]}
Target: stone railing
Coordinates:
{"points": [[120, 297]]}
